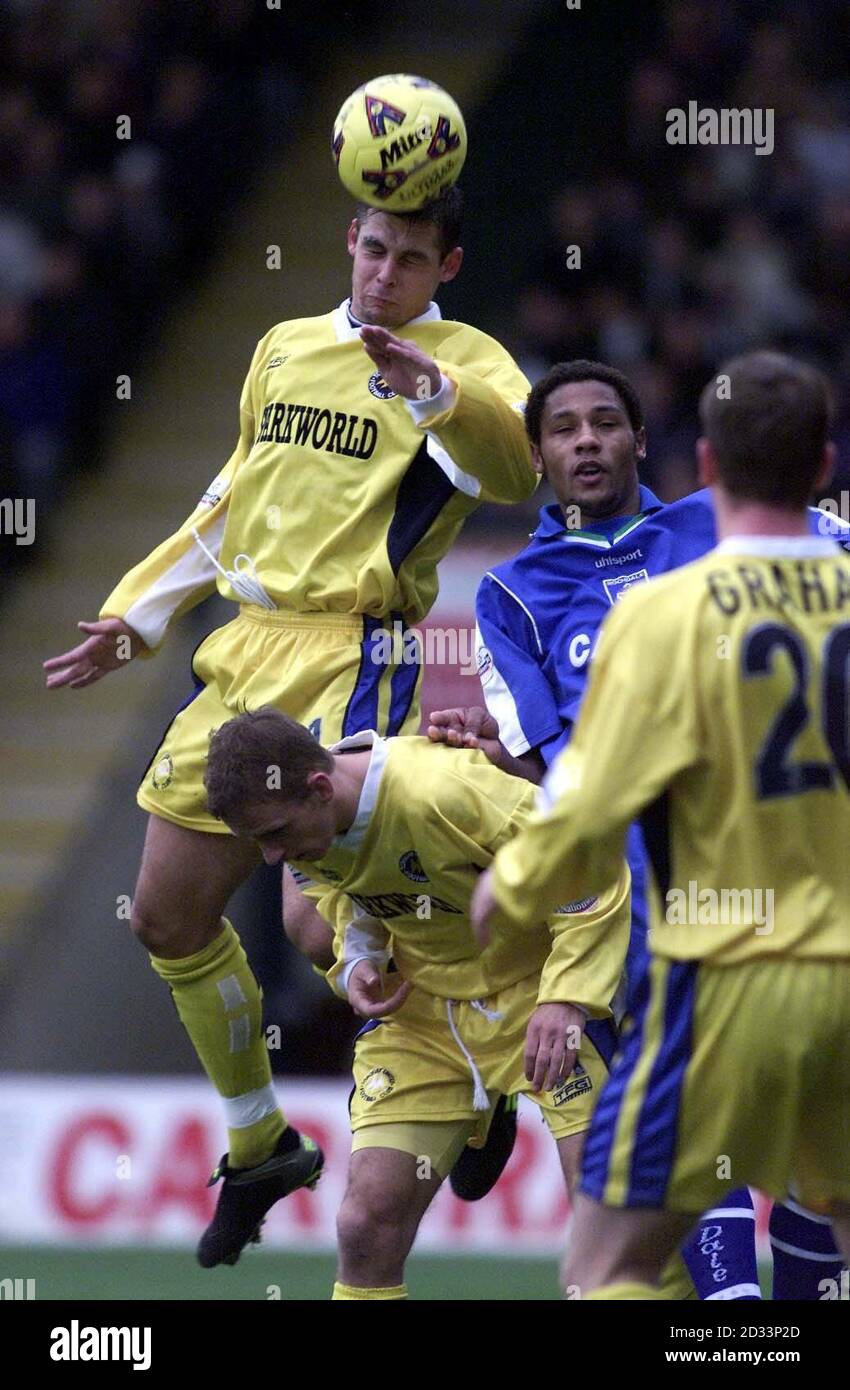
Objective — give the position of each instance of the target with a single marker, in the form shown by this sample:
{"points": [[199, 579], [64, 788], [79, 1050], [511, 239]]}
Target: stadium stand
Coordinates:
{"points": [[689, 259]]}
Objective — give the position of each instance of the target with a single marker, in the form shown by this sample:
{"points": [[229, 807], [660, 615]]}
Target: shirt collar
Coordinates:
{"points": [[552, 518], [356, 832], [775, 547], [346, 331]]}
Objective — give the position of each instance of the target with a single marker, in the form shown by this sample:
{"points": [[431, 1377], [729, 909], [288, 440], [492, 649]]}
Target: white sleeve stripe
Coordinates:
{"points": [[502, 705], [149, 615], [464, 482], [496, 580]]}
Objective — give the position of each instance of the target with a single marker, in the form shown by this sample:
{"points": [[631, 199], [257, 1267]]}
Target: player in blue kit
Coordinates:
{"points": [[538, 618]]}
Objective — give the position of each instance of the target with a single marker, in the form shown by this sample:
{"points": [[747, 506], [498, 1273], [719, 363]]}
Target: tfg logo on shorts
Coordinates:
{"points": [[76, 1343]]}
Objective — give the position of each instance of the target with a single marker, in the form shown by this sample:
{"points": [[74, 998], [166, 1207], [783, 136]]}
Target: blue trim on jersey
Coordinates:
{"points": [[596, 1158], [422, 494], [402, 684], [656, 1133], [637, 860], [369, 1027], [362, 709]]}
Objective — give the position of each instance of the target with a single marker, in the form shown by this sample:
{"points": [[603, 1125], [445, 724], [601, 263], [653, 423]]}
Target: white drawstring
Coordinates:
{"points": [[246, 582], [480, 1099], [491, 1015]]}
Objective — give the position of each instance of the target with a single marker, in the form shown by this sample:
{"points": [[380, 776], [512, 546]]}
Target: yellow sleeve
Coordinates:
{"points": [[484, 430], [636, 730], [177, 575], [589, 951]]}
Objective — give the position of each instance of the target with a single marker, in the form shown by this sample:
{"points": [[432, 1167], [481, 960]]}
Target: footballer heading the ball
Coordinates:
{"points": [[398, 142]]}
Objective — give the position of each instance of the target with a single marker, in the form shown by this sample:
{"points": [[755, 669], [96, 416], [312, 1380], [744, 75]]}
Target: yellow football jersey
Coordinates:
{"points": [[340, 496], [430, 819], [716, 714]]}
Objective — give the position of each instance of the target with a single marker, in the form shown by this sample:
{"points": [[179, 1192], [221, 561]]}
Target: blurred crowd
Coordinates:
{"points": [[96, 230], [691, 253], [688, 253]]}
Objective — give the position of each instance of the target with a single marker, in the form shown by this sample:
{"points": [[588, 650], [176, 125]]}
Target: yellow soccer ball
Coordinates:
{"points": [[398, 142]]}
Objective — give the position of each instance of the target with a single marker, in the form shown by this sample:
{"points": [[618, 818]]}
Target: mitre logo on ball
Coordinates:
{"points": [[398, 142]]}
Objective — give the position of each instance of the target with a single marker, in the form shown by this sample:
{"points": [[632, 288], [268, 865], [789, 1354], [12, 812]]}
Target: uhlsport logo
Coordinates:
{"points": [[619, 584], [379, 387], [377, 1084], [214, 493], [411, 867], [163, 774]]}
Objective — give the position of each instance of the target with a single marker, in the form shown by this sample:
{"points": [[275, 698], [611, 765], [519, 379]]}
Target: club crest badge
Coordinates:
{"points": [[379, 387], [484, 665], [163, 773], [619, 584], [377, 1084]]}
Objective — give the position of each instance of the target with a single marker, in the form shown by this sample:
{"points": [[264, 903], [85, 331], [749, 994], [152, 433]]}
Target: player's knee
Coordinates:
{"points": [[168, 932], [154, 931], [370, 1225]]}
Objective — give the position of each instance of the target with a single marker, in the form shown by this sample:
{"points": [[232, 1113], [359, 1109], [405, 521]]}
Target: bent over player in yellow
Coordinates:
{"points": [[717, 712], [393, 834], [361, 451]]}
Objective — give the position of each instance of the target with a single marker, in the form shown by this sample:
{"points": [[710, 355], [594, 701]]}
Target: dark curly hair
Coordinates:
{"points": [[580, 370]]}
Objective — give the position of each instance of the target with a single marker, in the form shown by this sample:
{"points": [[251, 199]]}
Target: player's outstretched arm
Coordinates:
{"points": [[366, 992], [110, 645]]}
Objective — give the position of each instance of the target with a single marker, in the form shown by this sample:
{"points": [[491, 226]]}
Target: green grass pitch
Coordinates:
{"points": [[154, 1273], [134, 1273]]}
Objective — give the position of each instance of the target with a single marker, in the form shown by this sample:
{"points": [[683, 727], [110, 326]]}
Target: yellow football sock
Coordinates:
{"points": [[630, 1291], [220, 1006], [347, 1293]]}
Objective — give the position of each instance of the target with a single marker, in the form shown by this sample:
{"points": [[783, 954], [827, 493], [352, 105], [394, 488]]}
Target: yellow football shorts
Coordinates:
{"points": [[732, 1075], [327, 670], [410, 1068]]}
